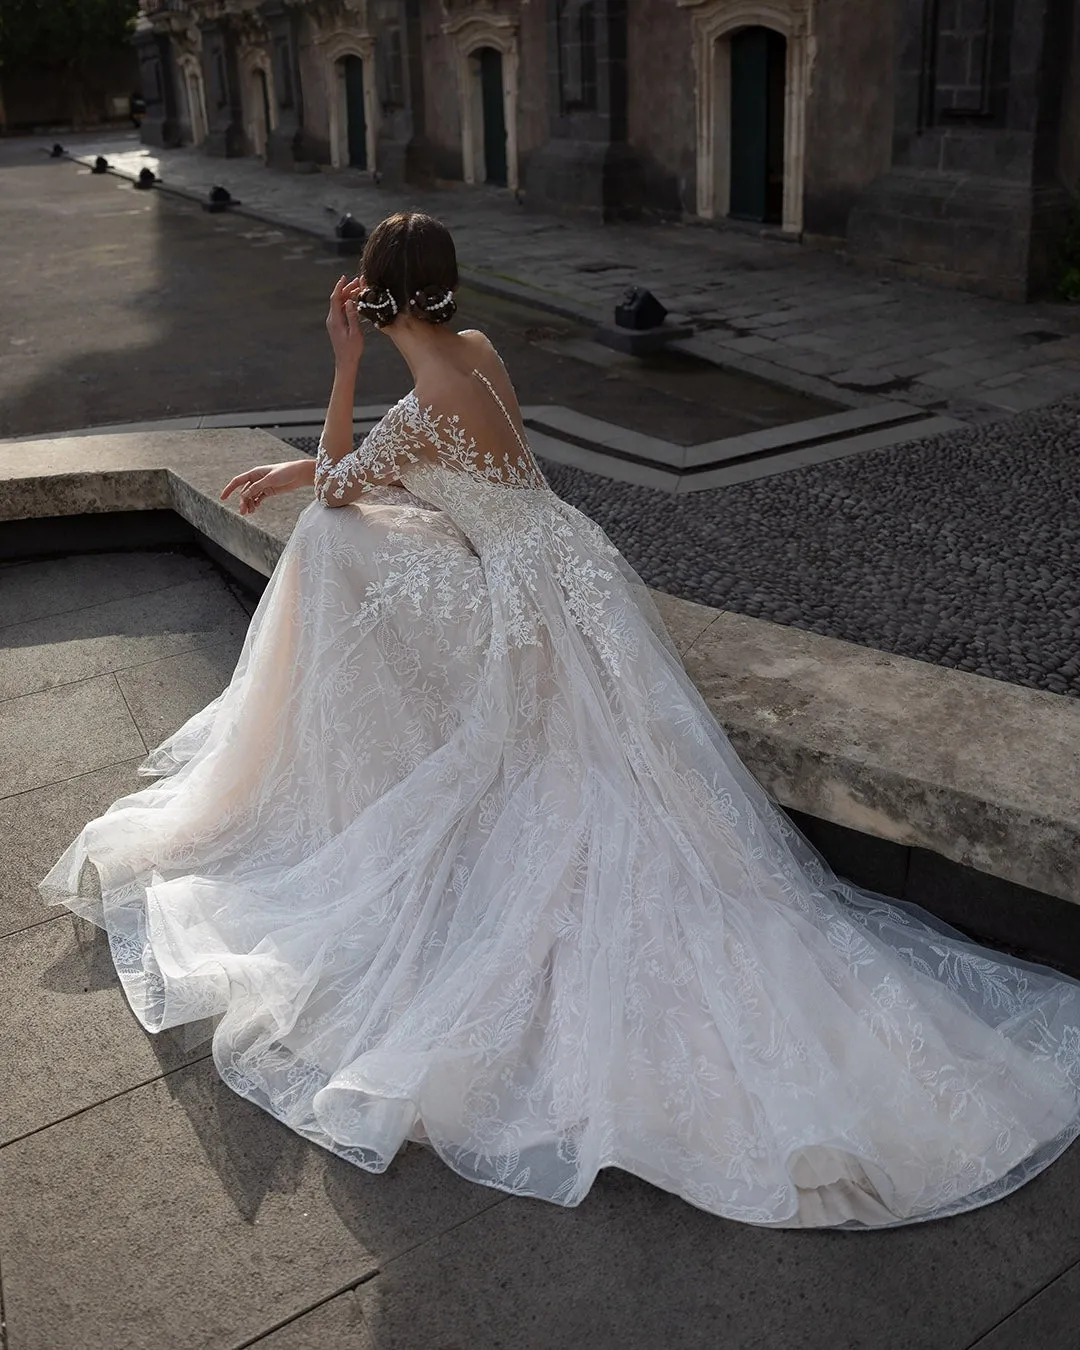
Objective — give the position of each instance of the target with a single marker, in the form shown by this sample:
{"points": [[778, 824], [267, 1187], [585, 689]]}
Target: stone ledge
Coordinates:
{"points": [[973, 769]]}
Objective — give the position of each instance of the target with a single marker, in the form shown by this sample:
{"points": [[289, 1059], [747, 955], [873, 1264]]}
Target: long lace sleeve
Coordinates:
{"points": [[378, 460]]}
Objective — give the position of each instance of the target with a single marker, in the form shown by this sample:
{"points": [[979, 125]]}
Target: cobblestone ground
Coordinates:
{"points": [[963, 549], [799, 316]]}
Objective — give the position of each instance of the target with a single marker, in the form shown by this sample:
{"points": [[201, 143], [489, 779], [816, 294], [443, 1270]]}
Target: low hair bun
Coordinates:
{"points": [[377, 304], [436, 304], [410, 266]]}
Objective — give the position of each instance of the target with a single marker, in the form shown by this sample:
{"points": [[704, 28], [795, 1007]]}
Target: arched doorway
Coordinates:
{"points": [[349, 68], [758, 83], [488, 65], [261, 123], [195, 98], [752, 64], [355, 112]]}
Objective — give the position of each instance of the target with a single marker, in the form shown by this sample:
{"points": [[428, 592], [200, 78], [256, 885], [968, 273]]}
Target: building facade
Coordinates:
{"points": [[935, 137]]}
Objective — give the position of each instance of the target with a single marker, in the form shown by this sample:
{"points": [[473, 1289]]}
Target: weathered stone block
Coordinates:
{"points": [[592, 177]]}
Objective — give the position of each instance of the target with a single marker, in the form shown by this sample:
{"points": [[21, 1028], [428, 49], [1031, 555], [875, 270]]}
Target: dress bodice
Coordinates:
{"points": [[412, 438]]}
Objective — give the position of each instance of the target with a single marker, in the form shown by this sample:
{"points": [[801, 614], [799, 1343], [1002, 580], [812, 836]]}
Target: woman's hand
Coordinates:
{"points": [[269, 480], [343, 323]]}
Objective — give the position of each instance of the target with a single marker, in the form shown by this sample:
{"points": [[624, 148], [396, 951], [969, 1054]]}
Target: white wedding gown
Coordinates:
{"points": [[460, 856]]}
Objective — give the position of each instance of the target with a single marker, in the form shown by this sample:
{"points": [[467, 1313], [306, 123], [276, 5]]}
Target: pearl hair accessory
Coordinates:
{"points": [[431, 306], [378, 306]]}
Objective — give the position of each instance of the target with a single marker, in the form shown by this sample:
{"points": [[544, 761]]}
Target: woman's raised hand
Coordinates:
{"points": [[343, 322], [269, 480]]}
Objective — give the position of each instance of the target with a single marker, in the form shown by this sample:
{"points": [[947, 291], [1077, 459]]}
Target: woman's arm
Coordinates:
{"points": [[342, 473], [347, 339], [269, 480], [336, 440], [376, 462]]}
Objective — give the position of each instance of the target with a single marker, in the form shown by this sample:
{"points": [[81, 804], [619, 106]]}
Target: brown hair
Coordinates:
{"points": [[410, 267]]}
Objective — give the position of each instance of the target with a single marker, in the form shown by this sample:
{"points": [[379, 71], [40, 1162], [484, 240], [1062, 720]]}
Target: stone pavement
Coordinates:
{"points": [[802, 317], [144, 1205]]}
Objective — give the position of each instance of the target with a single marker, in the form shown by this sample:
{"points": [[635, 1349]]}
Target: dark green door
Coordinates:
{"points": [[491, 91], [758, 62], [354, 106]]}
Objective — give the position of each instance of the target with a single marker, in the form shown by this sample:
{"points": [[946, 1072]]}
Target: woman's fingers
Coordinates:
{"points": [[230, 487], [251, 482], [257, 489]]}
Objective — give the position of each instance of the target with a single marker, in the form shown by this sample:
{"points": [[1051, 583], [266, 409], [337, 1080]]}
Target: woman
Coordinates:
{"points": [[460, 856]]}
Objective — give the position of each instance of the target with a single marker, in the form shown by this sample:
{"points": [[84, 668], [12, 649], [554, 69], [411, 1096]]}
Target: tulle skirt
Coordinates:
{"points": [[434, 879]]}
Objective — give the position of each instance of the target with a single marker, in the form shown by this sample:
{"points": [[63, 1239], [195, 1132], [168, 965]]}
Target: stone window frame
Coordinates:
{"points": [[571, 57], [254, 59], [282, 58], [713, 23], [335, 48], [468, 33]]}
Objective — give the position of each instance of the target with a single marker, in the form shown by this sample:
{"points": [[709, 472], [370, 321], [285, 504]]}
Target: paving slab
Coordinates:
{"points": [[47, 586], [162, 695], [684, 620], [37, 826], [180, 1217], [58, 649], [635, 1269], [65, 1022], [58, 733], [1051, 1320]]}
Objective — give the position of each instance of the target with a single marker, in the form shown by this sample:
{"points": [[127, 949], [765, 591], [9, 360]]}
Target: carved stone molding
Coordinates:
{"points": [[259, 120], [713, 23], [470, 28], [334, 45], [193, 91]]}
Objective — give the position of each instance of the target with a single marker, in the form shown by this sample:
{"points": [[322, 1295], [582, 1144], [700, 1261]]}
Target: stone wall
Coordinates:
{"points": [[442, 94], [316, 135], [442, 107], [1069, 141], [849, 110], [661, 111], [973, 197], [532, 83], [935, 137]]}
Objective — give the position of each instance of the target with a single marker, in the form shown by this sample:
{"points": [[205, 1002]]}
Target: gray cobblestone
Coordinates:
{"points": [[963, 549]]}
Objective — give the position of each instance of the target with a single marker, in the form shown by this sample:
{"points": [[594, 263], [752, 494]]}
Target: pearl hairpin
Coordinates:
{"points": [[436, 304]]}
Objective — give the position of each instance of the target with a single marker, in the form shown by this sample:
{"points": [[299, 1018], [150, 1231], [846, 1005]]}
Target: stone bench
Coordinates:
{"points": [[956, 791]]}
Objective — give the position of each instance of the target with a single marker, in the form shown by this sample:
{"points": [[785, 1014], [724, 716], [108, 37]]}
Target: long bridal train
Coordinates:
{"points": [[461, 856]]}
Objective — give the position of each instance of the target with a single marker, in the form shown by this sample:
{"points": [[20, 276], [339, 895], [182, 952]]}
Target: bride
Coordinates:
{"points": [[460, 856]]}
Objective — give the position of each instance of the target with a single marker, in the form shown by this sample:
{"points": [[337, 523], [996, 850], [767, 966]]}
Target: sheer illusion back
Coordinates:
{"points": [[478, 435], [481, 434], [461, 856]]}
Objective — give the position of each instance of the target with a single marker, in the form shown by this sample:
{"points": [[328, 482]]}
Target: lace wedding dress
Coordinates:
{"points": [[460, 856]]}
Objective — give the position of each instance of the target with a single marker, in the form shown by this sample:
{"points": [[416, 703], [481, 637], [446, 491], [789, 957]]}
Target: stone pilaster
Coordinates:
{"points": [[586, 164], [224, 106], [284, 146], [157, 79], [971, 199]]}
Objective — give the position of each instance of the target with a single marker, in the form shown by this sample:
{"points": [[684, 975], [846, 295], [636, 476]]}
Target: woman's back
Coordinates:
{"points": [[469, 413]]}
